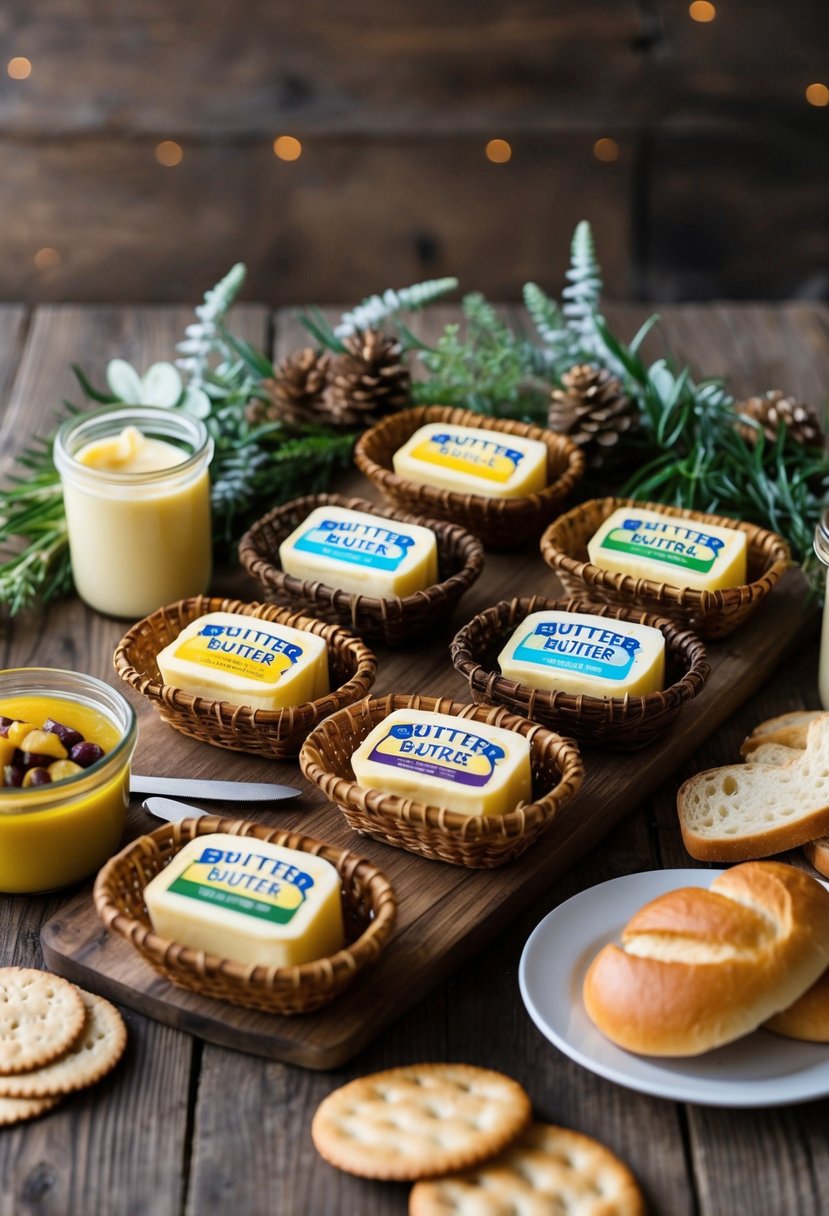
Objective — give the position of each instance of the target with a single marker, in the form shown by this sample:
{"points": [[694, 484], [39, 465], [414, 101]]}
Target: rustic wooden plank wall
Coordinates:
{"points": [[719, 184]]}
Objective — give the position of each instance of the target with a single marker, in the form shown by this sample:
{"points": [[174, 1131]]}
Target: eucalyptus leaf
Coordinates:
{"points": [[196, 402], [124, 381], [161, 385]]}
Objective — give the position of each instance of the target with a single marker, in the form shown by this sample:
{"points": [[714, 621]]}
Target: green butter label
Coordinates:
{"points": [[670, 543]]}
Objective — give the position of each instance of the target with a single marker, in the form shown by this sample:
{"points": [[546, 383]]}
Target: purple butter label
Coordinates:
{"points": [[453, 753]]}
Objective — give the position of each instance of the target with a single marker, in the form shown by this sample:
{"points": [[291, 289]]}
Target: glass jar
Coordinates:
{"points": [[821, 546], [55, 834], [138, 540]]}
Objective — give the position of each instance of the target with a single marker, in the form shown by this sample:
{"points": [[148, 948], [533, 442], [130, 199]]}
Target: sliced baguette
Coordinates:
{"points": [[775, 753], [817, 852], [744, 811], [789, 730]]}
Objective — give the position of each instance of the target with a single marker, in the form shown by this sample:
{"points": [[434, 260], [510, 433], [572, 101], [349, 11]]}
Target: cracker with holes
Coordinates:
{"points": [[41, 1016], [547, 1169], [96, 1050], [419, 1121]]}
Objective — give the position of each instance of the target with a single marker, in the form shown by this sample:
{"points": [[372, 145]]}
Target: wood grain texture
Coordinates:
{"points": [[262, 66], [445, 913], [349, 218], [119, 1147], [247, 1148]]}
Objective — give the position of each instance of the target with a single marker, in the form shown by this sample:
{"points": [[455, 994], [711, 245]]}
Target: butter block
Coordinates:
{"points": [[446, 761], [473, 460], [579, 652], [361, 553], [248, 900], [232, 657], [670, 549]]}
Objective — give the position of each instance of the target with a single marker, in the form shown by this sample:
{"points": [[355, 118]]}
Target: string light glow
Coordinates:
{"points": [[287, 148], [606, 149], [498, 151], [46, 258], [817, 95], [702, 11], [169, 153], [19, 68]]}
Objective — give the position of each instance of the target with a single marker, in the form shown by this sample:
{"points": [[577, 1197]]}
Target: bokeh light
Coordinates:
{"points": [[287, 148], [498, 151], [169, 153]]}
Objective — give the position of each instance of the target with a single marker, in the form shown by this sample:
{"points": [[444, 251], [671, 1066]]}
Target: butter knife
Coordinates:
{"points": [[214, 791]]}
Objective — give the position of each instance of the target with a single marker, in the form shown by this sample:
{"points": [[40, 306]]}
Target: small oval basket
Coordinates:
{"points": [[501, 523], [395, 621], [275, 734], [713, 614], [614, 722], [477, 841], [369, 910]]}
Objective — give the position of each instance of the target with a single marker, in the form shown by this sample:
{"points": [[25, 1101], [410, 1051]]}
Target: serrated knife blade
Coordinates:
{"points": [[213, 791]]}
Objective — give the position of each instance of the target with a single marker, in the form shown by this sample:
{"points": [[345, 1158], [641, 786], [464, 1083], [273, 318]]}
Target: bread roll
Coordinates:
{"points": [[808, 1017], [699, 968]]}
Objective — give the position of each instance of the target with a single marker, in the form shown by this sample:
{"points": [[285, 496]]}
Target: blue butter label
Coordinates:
{"points": [[359, 544], [672, 543], [454, 753], [591, 650]]}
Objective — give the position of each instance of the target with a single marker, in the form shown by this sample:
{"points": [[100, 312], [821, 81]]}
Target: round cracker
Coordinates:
{"points": [[547, 1169], [41, 1016], [17, 1110], [419, 1121], [97, 1049]]}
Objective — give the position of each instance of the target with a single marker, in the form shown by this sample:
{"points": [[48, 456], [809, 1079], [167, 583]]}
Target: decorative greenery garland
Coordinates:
{"points": [[693, 445]]}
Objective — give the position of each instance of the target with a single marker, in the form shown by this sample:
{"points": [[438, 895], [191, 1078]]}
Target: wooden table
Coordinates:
{"points": [[185, 1127]]}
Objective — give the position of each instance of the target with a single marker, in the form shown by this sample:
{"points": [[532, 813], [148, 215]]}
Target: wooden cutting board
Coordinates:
{"points": [[446, 913]]}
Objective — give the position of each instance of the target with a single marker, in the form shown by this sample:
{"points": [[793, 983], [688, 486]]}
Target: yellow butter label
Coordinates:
{"points": [[255, 652], [253, 884], [470, 454]]}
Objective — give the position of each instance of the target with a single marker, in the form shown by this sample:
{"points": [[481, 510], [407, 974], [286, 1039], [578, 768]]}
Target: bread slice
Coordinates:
{"points": [[817, 852], [743, 811], [775, 753], [789, 730], [701, 967]]}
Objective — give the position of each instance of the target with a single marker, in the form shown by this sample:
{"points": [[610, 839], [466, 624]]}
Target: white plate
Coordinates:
{"points": [[762, 1069]]}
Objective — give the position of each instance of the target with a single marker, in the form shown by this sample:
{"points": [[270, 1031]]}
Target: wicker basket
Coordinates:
{"points": [[394, 621], [477, 841], [275, 734], [369, 910], [615, 722], [713, 614], [501, 523]]}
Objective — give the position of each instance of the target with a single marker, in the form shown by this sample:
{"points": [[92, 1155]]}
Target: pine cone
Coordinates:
{"points": [[367, 382], [295, 394], [773, 408], [593, 409]]}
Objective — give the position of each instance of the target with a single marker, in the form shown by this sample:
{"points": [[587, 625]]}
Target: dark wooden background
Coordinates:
{"points": [[719, 188]]}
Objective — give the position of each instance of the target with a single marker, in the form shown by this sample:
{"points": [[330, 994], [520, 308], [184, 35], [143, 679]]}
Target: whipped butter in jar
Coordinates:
{"points": [[136, 490]]}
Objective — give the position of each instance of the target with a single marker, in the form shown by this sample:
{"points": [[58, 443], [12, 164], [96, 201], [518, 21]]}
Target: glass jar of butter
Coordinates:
{"points": [[136, 490], [821, 546]]}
